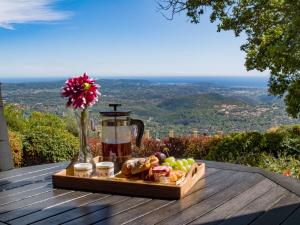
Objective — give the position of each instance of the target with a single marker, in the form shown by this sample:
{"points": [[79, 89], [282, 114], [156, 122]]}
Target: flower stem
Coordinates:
{"points": [[83, 121]]}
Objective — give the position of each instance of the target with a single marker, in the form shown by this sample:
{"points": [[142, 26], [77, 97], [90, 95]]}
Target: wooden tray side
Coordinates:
{"points": [[131, 188], [115, 187], [194, 175]]}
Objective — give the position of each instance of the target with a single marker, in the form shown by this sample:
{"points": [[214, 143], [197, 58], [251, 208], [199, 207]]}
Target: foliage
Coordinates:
{"points": [[71, 123], [183, 146], [273, 37], [241, 148], [16, 146], [176, 146], [95, 146], [39, 137], [45, 119], [285, 139], [199, 147], [14, 116], [45, 144], [148, 147], [283, 164]]}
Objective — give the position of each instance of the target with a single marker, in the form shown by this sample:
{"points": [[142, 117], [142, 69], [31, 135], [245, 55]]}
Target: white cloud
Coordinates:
{"points": [[28, 11]]}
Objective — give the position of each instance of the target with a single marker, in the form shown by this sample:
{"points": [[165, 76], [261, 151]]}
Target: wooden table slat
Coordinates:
{"points": [[280, 211], [42, 176], [116, 209], [244, 182], [29, 201], [36, 207], [229, 194], [293, 219], [257, 207], [25, 195], [235, 204], [123, 216], [58, 209], [23, 190], [19, 172], [83, 210], [61, 206], [205, 188]]}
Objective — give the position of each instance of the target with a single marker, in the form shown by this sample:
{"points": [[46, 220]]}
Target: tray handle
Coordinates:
{"points": [[193, 171]]}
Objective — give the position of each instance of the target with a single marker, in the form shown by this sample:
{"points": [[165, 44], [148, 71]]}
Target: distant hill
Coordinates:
{"points": [[198, 101], [181, 106]]}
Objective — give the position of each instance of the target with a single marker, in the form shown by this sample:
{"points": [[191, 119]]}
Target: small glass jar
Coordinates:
{"points": [[83, 169], [105, 169]]}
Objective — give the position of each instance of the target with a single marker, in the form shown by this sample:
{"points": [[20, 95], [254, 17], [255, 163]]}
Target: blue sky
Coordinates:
{"points": [[105, 37]]}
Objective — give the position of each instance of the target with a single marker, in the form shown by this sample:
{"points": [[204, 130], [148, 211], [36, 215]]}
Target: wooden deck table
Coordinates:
{"points": [[229, 194]]}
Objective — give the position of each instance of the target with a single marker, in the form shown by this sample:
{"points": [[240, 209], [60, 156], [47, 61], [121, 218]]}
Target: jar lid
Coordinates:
{"points": [[105, 165], [83, 166]]}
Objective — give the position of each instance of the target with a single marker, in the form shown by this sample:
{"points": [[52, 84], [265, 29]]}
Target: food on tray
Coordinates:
{"points": [[161, 157], [170, 160], [181, 164], [150, 168], [161, 172], [191, 160], [176, 175], [138, 165]]}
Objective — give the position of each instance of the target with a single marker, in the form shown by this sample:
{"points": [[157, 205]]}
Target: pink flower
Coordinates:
{"points": [[81, 92]]}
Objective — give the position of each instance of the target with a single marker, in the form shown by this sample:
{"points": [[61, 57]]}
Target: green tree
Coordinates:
{"points": [[272, 28]]}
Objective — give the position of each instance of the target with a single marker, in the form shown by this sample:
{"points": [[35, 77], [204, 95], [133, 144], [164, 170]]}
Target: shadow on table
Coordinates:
{"points": [[99, 212], [289, 214]]}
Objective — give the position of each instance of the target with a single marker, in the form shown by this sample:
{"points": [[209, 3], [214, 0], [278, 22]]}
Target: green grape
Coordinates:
{"points": [[179, 162], [182, 168], [188, 167], [191, 161], [170, 160], [173, 163], [175, 167], [166, 164], [185, 162]]}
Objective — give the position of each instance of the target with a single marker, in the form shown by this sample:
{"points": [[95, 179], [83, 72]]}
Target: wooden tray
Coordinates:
{"points": [[130, 187]]}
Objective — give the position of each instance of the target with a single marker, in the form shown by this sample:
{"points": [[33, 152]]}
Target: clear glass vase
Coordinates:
{"points": [[84, 155]]}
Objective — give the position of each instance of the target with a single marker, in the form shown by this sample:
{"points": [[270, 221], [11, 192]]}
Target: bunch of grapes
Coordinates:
{"points": [[180, 164]]}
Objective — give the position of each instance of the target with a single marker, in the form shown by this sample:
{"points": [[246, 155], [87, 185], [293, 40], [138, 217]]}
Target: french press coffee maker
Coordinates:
{"points": [[117, 135]]}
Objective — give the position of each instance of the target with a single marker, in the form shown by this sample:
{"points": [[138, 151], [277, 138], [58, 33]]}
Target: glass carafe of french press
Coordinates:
{"points": [[117, 133]]}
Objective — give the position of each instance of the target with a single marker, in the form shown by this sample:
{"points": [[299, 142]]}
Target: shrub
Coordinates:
{"points": [[176, 146], [16, 146], [199, 147], [14, 116], [50, 120], [43, 144], [148, 147], [241, 148], [283, 164], [272, 143], [184, 146], [283, 140]]}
